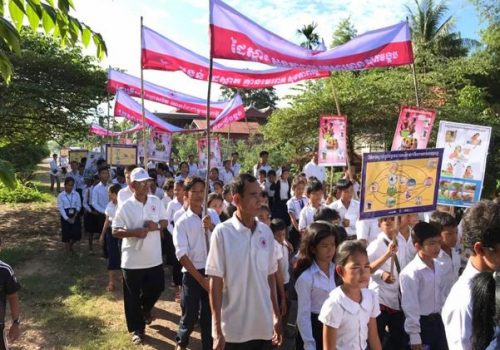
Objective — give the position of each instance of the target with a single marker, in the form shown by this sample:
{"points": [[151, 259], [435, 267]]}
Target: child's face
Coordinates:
{"points": [[104, 176], [346, 195], [228, 197], [264, 200], [68, 186], [216, 205], [316, 197], [280, 236], [299, 190], [449, 236], [170, 192], [356, 272], [430, 247], [272, 178], [214, 175], [218, 189], [388, 226], [262, 177], [264, 217], [325, 249], [113, 196], [178, 192]]}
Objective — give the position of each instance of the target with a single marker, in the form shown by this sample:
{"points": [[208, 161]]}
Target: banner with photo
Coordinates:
{"points": [[215, 153], [464, 162], [159, 146], [118, 154], [332, 146], [414, 129], [399, 182]]}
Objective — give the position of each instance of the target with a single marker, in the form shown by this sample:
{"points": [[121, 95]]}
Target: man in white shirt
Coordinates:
{"points": [[193, 167], [481, 227], [99, 201], [312, 169], [235, 166], [54, 174], [141, 217], [347, 207], [241, 264], [262, 164], [191, 239]]}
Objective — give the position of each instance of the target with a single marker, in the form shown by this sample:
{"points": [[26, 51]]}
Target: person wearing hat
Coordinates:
{"points": [[138, 223]]}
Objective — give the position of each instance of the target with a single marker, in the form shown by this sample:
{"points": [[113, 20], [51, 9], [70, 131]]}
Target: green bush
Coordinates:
{"points": [[22, 194], [24, 157]]}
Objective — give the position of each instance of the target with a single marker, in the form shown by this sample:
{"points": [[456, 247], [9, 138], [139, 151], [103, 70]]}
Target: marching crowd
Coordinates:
{"points": [[274, 254]]}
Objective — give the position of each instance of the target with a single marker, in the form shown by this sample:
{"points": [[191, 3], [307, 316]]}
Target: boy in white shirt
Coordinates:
{"points": [[421, 291], [54, 174], [314, 192], [346, 206]]}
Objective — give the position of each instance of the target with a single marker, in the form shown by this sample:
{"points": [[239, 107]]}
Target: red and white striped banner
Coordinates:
{"points": [[236, 37], [99, 130], [161, 53]]}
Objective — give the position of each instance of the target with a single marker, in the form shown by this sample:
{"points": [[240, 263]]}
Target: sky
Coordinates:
{"points": [[186, 22]]}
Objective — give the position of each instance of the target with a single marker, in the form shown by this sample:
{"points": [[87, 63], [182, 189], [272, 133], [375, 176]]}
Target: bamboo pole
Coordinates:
{"points": [[144, 146]]}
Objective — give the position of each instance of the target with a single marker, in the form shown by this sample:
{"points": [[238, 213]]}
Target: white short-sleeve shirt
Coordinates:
{"points": [[351, 214], [244, 260], [349, 317], [131, 215]]}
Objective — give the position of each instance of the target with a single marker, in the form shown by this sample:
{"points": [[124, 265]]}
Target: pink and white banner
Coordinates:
{"points": [[414, 129], [236, 37], [127, 107], [332, 145], [233, 112], [132, 86], [159, 146], [161, 53], [99, 130]]}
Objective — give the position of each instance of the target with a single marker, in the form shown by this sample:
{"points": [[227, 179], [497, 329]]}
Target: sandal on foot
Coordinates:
{"points": [[138, 339]]}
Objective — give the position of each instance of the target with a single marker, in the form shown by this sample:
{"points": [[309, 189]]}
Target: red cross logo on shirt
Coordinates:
{"points": [[262, 242]]}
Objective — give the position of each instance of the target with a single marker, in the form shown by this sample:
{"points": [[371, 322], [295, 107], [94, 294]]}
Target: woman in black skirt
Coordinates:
{"points": [[69, 205]]}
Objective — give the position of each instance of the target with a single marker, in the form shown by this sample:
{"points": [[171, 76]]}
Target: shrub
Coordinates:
{"points": [[22, 194]]}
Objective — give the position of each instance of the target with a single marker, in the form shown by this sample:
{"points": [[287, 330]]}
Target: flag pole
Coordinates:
{"points": [[111, 142], [414, 73], [144, 148], [210, 71]]}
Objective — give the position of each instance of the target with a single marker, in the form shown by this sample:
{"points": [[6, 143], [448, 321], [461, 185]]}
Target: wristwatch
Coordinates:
{"points": [[16, 321]]}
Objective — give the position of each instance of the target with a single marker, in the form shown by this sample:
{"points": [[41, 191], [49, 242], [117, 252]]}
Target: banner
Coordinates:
{"points": [[414, 129], [132, 86], [77, 155], [233, 112], [332, 147], [215, 153], [161, 53], [236, 37], [99, 130], [117, 154], [399, 182], [127, 107], [464, 162], [159, 146]]}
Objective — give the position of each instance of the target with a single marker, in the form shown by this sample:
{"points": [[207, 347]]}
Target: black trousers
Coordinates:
{"points": [[250, 345], [194, 304], [141, 290], [171, 259], [3, 341], [432, 332], [317, 332], [396, 338]]}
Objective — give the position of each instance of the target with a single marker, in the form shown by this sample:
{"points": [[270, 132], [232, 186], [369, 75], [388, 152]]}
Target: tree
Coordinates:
{"points": [[312, 38], [53, 20], [344, 32], [53, 92], [259, 98]]}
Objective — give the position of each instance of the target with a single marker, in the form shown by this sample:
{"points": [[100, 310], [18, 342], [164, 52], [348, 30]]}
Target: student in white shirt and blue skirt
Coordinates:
{"points": [[69, 204]]}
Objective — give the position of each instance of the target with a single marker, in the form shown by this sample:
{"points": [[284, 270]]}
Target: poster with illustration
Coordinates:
{"points": [[464, 160], [159, 146], [76, 155], [413, 129], [215, 153], [332, 140], [118, 154], [399, 182]]}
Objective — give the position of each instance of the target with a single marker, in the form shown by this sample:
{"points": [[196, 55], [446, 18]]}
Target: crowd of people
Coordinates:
{"points": [[273, 254]]}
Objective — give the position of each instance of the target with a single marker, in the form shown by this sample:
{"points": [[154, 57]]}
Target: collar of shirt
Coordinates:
{"points": [[419, 264], [470, 271], [238, 225], [353, 307], [331, 270], [190, 213]]}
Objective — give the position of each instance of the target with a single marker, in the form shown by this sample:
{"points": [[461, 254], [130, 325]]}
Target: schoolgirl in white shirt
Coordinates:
{"points": [[315, 273], [314, 191], [69, 205], [349, 314]]}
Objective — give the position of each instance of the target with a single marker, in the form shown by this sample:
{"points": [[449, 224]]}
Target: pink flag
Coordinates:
{"points": [[234, 111], [127, 107], [99, 130], [236, 37], [161, 53], [132, 86]]}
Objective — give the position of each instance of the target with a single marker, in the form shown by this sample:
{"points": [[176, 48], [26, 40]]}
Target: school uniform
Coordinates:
{"points": [[89, 222], [100, 199], [313, 287], [307, 216], [9, 285], [257, 169], [236, 168], [349, 317], [294, 207], [113, 244], [406, 249], [159, 193], [124, 194], [281, 197], [116, 182], [451, 266], [457, 311], [173, 206], [143, 276], [367, 229], [69, 205], [191, 241], [193, 169], [244, 260], [391, 315], [165, 200], [79, 182], [226, 176], [421, 300], [312, 169], [283, 261], [351, 214], [54, 169]]}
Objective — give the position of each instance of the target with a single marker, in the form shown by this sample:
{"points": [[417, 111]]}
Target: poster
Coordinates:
{"points": [[117, 154], [399, 182], [77, 155], [464, 160], [159, 146], [215, 153], [414, 129], [332, 140]]}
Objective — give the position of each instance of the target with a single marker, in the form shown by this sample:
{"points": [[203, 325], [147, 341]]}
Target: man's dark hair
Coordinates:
{"points": [[263, 153], [216, 169], [481, 223], [271, 172], [441, 220], [190, 181], [69, 179], [313, 186], [239, 183], [422, 231], [262, 172], [343, 184], [115, 188], [277, 225], [326, 214]]}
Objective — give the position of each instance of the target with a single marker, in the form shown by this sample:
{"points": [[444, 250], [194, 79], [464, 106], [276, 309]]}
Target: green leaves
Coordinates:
{"points": [[7, 176]]}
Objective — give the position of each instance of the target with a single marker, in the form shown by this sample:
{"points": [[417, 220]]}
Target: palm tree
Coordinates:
{"points": [[312, 38], [432, 30]]}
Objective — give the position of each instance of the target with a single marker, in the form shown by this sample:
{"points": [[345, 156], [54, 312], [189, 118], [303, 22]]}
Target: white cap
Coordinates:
{"points": [[139, 174]]}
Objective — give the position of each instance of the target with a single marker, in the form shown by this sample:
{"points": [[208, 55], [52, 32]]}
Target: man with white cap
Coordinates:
{"points": [[140, 218]]}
